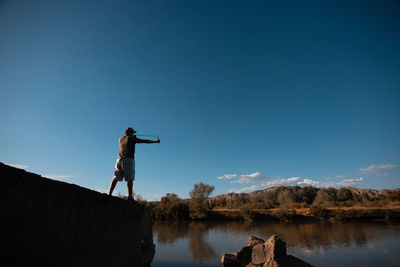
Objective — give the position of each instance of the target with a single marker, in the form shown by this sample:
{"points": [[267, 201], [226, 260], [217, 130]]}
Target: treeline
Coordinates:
{"points": [[273, 203]]}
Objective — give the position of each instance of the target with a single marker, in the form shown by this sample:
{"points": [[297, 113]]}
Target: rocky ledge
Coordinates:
{"points": [[51, 223], [258, 253]]}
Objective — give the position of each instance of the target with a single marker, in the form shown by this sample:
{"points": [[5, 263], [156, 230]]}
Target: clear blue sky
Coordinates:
{"points": [[263, 92]]}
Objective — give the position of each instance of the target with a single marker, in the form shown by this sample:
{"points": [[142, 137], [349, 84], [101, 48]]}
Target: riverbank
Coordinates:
{"points": [[283, 203], [390, 213], [182, 210]]}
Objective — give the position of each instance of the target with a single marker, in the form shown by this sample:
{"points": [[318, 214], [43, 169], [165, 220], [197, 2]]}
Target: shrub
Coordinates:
{"points": [[338, 215], [308, 194], [176, 211], [169, 208], [325, 197], [392, 216], [393, 196], [218, 202], [285, 196], [344, 194], [247, 213], [294, 205], [284, 215], [169, 197], [197, 211], [318, 211]]}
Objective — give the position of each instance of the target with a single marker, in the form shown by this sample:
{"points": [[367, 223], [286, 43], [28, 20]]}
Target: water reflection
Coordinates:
{"points": [[200, 248], [170, 232], [308, 234], [207, 240]]}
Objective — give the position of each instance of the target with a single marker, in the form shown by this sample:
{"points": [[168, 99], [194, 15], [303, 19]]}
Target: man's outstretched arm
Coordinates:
{"points": [[145, 141]]}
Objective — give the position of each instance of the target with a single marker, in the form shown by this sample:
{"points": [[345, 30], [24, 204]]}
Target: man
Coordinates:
{"points": [[125, 165]]}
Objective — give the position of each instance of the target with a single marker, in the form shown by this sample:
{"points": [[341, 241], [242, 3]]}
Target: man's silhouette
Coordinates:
{"points": [[125, 165]]}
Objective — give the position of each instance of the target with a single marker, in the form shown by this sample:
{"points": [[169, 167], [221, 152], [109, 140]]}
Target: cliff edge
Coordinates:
{"points": [[51, 223]]}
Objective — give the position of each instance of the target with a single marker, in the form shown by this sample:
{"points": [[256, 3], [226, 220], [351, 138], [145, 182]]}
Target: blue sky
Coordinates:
{"points": [[243, 94]]}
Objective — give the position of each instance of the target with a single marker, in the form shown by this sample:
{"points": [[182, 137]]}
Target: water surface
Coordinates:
{"points": [[320, 244]]}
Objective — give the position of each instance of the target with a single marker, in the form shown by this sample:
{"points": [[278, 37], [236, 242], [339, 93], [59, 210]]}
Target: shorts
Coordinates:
{"points": [[125, 168]]}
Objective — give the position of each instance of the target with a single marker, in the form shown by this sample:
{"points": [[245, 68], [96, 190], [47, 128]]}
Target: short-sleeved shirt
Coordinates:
{"points": [[127, 146]]}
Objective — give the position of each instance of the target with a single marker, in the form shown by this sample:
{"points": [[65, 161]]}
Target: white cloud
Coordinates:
{"points": [[293, 179], [298, 181], [251, 178], [377, 168], [314, 183], [346, 182], [278, 182], [340, 176], [350, 182], [227, 176], [383, 174], [19, 166], [244, 189], [57, 176]]}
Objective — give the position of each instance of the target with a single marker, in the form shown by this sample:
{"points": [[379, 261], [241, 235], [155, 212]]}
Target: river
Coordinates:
{"points": [[181, 243]]}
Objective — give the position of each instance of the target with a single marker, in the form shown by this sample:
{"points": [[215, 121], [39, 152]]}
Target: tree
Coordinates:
{"points": [[169, 197], [308, 194], [325, 196], [344, 194], [201, 191]]}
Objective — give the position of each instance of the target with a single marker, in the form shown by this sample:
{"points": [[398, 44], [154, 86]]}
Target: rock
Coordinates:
{"points": [[254, 241], [229, 260], [258, 253], [51, 223], [275, 248], [243, 255], [273, 263], [147, 245]]}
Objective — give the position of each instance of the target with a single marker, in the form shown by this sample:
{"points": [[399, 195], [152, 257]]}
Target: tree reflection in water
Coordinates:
{"points": [[200, 248], [170, 232], [320, 235], [310, 235]]}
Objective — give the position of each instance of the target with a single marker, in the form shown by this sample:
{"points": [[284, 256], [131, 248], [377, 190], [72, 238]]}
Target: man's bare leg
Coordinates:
{"points": [[130, 188], [112, 186]]}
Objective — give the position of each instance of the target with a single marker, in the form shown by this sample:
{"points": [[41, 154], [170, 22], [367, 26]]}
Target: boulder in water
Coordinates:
{"points": [[258, 253]]}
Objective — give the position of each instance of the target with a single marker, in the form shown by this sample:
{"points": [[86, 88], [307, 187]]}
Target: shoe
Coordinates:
{"points": [[131, 199]]}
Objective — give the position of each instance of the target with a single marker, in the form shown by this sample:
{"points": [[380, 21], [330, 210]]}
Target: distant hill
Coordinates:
{"points": [[356, 192], [275, 196]]}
